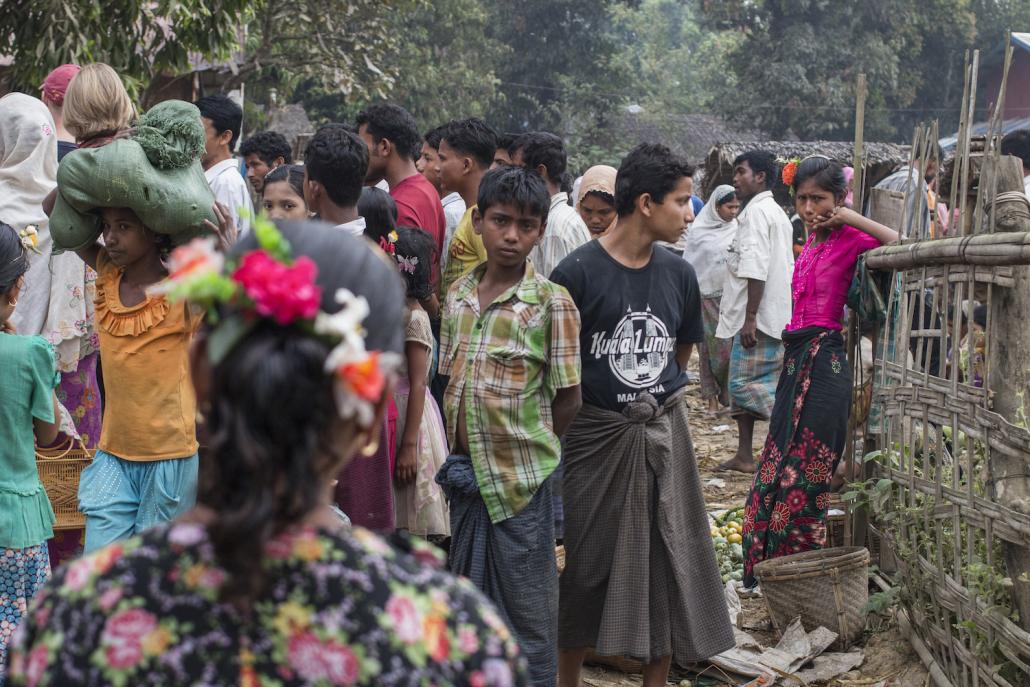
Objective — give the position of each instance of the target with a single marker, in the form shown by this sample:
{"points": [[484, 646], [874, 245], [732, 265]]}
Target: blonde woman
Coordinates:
{"points": [[97, 108]]}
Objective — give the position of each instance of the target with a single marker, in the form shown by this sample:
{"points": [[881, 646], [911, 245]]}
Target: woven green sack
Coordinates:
{"points": [[156, 173]]}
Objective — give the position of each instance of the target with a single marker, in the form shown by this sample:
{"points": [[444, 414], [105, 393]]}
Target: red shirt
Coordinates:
{"points": [[418, 205]]}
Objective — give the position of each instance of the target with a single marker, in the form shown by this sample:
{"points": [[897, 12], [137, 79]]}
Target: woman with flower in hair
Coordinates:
{"points": [[785, 511], [261, 583], [418, 500], [28, 415]]}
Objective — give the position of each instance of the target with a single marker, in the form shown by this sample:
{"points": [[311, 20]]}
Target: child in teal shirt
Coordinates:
{"points": [[28, 414]]}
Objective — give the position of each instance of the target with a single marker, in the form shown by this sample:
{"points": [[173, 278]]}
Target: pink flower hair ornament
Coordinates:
{"points": [[267, 284]]}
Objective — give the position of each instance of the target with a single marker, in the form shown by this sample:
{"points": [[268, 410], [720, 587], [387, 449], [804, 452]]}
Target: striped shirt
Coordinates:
{"points": [[565, 232], [507, 363]]}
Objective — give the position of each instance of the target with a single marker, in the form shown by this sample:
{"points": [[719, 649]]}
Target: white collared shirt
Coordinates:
{"points": [[762, 250], [356, 227], [453, 211], [565, 232], [231, 190]]}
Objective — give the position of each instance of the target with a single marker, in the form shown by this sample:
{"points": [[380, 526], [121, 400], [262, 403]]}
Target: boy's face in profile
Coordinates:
{"points": [[509, 232], [669, 219]]}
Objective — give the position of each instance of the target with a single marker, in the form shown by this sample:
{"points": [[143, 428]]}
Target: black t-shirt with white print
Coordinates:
{"points": [[631, 322]]}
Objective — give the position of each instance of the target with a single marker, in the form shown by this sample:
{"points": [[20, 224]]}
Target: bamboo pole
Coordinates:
{"points": [[1007, 248], [858, 159], [1010, 379]]}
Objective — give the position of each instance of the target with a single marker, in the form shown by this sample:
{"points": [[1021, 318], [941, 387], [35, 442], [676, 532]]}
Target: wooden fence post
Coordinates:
{"points": [[1009, 379]]}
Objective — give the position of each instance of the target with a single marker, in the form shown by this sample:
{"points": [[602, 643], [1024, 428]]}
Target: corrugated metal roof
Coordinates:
{"points": [[1021, 40]]}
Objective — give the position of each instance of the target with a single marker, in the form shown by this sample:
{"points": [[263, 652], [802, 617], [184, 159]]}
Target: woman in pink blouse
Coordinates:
{"points": [[785, 511]]}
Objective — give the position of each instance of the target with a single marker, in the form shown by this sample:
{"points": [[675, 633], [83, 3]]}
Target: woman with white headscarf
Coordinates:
{"points": [[707, 243], [57, 300]]}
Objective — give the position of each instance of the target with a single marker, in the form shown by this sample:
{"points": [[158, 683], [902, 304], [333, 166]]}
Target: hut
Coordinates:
{"points": [[880, 160]]}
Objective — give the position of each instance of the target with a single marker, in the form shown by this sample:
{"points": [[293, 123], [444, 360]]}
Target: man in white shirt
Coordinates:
{"points": [[756, 301], [453, 204], [544, 154], [222, 120], [335, 163]]}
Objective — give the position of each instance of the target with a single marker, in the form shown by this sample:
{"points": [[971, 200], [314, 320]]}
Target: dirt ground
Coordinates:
{"points": [[888, 657]]}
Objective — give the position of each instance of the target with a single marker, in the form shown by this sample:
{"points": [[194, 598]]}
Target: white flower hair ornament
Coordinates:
{"points": [[29, 237], [360, 376]]}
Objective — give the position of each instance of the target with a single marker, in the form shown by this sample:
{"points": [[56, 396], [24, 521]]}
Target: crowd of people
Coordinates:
{"points": [[343, 408]]}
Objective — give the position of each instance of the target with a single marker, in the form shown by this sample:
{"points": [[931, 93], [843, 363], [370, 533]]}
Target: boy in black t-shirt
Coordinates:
{"points": [[641, 578]]}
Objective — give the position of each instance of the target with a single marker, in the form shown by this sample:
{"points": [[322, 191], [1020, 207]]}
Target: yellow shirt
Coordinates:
{"points": [[466, 253], [151, 409]]}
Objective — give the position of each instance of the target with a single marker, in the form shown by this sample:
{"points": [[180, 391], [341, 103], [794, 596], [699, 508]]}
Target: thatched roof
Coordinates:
{"points": [[880, 158], [690, 135]]}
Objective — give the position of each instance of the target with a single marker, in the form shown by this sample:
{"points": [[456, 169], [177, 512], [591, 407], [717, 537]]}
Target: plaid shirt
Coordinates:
{"points": [[507, 363]]}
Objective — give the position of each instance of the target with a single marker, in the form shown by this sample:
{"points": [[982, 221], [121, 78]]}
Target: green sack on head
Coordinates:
{"points": [[156, 173]]}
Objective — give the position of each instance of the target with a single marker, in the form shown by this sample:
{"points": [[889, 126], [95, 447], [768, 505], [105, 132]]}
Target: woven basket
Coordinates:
{"points": [[836, 525], [828, 588], [59, 470]]}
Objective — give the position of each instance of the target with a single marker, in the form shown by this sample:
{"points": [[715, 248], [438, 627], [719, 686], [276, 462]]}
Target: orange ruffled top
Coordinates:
{"points": [[151, 408]]}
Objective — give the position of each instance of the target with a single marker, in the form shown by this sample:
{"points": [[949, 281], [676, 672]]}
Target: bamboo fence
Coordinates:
{"points": [[946, 523]]}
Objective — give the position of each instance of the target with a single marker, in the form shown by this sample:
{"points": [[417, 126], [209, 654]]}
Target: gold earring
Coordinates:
{"points": [[371, 448]]}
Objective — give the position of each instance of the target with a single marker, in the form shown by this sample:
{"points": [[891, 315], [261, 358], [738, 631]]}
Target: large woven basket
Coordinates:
{"points": [[828, 588], [59, 471]]}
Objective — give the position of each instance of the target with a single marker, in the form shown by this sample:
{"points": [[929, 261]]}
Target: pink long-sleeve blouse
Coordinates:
{"points": [[822, 275]]}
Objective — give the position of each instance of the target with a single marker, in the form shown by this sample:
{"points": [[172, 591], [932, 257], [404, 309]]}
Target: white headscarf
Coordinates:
{"points": [[28, 172], [55, 301], [707, 243]]}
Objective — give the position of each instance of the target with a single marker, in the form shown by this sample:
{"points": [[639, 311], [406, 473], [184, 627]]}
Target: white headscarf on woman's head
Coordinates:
{"points": [[599, 178], [707, 243], [56, 301], [28, 172]]}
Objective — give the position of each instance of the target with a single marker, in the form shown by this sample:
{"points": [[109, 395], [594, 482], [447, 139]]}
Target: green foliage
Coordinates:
{"points": [[139, 38], [339, 45], [798, 60], [561, 73]]}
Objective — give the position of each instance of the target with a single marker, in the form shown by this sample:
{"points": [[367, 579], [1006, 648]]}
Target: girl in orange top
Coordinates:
{"points": [[145, 470]]}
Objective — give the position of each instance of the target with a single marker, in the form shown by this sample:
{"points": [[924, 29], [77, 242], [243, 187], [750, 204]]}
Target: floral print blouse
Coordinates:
{"points": [[343, 608]]}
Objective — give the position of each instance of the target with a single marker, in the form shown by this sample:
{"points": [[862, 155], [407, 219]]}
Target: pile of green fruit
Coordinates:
{"points": [[726, 538]]}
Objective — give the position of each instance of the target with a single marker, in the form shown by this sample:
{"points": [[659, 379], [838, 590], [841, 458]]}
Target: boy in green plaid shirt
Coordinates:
{"points": [[509, 344]]}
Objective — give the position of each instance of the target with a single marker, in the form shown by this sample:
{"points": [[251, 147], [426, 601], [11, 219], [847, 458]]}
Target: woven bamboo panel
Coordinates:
{"points": [[944, 523]]}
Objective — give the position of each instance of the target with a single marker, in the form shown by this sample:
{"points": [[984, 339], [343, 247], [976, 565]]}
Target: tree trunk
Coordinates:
{"points": [[1010, 380]]}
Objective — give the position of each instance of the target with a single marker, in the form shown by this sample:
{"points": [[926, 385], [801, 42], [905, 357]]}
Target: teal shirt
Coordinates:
{"points": [[28, 376]]}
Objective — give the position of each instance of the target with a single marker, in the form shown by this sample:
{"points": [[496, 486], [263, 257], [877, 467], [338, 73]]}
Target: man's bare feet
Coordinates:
{"points": [[739, 463]]}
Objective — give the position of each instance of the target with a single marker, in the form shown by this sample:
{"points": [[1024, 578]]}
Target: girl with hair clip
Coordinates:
{"points": [[28, 414], [422, 444], [260, 583], [785, 511], [282, 193]]}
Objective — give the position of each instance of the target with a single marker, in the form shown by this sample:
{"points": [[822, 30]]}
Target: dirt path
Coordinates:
{"points": [[888, 655]]}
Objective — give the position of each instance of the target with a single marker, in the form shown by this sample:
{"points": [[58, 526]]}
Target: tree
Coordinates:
{"points": [[430, 57], [339, 45], [561, 68], [139, 38], [797, 62], [447, 65]]}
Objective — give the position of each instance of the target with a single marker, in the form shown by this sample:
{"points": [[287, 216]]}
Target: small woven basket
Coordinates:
{"points": [[59, 470], [828, 588], [836, 525]]}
